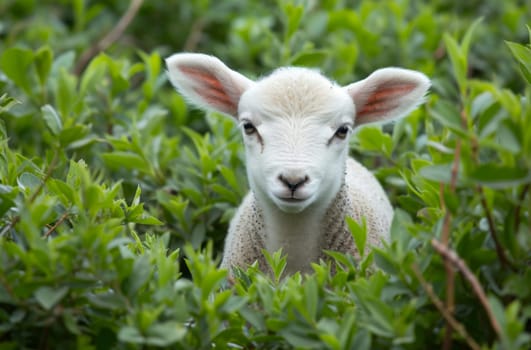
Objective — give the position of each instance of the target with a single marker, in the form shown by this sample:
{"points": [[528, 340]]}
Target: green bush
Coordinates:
{"points": [[115, 197]]}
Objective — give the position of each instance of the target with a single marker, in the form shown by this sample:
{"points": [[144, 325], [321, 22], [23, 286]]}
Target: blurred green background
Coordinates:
{"points": [[110, 184]]}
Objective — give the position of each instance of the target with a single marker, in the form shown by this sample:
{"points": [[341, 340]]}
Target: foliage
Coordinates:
{"points": [[115, 197]]}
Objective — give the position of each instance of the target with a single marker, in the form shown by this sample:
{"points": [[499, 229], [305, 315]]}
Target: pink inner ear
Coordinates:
{"points": [[210, 89], [385, 98]]}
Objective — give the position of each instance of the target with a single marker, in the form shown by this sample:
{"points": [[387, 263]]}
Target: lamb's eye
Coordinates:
{"points": [[342, 132], [249, 128]]}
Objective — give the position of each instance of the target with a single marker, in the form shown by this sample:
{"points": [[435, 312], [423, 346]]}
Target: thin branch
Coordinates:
{"points": [[460, 328], [492, 229], [455, 165], [445, 237], [57, 223], [450, 255], [110, 38], [450, 273], [195, 35]]}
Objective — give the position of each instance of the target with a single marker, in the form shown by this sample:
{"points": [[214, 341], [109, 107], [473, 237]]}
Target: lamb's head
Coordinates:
{"points": [[296, 123]]}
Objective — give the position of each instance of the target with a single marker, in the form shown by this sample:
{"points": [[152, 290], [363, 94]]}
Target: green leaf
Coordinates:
{"points": [[60, 188], [28, 181], [299, 338], [130, 334], [439, 172], [136, 198], [140, 275], [362, 340], [43, 63], [312, 58], [165, 333], [293, 15], [6, 103], [225, 193], [126, 160], [380, 317], [93, 75], [277, 262], [48, 297], [522, 54], [65, 92], [498, 176], [229, 176], [459, 54], [372, 138], [52, 119], [469, 35], [497, 310], [71, 136], [64, 61], [481, 103], [384, 261], [359, 233], [458, 59], [107, 300], [15, 63], [70, 322], [448, 114], [146, 219]]}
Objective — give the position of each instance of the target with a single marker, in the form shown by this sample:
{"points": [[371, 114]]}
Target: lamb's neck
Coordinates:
{"points": [[285, 227], [297, 234], [304, 235]]}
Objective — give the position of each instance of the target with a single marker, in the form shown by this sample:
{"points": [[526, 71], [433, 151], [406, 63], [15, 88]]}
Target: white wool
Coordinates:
{"points": [[361, 196], [296, 125]]}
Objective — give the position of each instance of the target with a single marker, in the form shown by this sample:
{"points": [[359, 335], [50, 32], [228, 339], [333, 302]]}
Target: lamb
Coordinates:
{"points": [[296, 125]]}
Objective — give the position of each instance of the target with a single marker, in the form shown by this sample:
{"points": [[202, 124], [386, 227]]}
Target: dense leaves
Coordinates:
{"points": [[115, 196]]}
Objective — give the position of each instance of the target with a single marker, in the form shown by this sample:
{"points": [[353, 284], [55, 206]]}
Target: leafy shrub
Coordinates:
{"points": [[115, 197]]}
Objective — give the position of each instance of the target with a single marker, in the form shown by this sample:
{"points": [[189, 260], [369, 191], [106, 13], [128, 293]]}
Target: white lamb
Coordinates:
{"points": [[296, 127]]}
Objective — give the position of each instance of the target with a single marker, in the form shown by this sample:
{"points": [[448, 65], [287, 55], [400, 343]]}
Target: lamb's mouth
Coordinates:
{"points": [[292, 200], [292, 204]]}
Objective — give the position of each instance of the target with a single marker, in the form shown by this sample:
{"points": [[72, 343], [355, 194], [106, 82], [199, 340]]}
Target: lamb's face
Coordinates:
{"points": [[296, 125]]}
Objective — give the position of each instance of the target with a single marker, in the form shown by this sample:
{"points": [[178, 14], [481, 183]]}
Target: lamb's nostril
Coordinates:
{"points": [[293, 182]]}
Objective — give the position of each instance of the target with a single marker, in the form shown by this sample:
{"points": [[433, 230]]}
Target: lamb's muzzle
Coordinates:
{"points": [[296, 125]]}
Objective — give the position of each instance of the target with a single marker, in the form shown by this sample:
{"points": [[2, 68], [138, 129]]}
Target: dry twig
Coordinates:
{"points": [[444, 311], [492, 229], [451, 256], [450, 274], [110, 38], [445, 237], [57, 223], [195, 35]]}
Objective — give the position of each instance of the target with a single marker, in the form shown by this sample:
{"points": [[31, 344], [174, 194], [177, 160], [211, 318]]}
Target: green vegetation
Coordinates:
{"points": [[115, 196]]}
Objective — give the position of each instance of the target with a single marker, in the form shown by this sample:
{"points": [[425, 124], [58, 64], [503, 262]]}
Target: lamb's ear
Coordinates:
{"points": [[387, 94], [207, 82]]}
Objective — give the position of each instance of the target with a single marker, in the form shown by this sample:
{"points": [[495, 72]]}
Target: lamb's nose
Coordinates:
{"points": [[293, 182]]}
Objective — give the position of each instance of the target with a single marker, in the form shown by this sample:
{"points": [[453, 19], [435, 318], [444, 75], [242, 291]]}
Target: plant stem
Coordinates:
{"points": [[57, 223], [492, 229], [451, 256], [445, 237], [444, 311], [195, 35], [110, 38]]}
